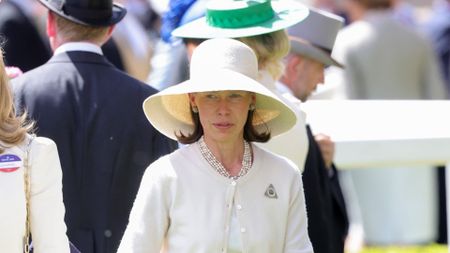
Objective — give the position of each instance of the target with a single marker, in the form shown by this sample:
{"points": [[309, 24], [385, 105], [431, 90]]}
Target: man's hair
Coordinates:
{"points": [[72, 31], [270, 49]]}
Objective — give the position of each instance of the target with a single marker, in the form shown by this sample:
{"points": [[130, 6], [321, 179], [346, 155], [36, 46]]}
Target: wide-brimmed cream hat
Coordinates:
{"points": [[218, 65]]}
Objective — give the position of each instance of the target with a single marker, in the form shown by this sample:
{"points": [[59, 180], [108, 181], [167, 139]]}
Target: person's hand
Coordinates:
{"points": [[13, 72], [326, 146]]}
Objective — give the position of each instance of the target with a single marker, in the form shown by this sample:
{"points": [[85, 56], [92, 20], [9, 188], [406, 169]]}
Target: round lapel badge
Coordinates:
{"points": [[9, 163]]}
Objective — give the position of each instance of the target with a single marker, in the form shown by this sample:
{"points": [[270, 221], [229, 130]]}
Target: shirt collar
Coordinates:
{"points": [[78, 46], [282, 88]]}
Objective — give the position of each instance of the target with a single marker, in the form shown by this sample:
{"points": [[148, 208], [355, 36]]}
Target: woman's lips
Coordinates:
{"points": [[223, 125]]}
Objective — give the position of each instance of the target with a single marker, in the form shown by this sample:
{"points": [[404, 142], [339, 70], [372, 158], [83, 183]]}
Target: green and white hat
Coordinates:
{"points": [[243, 18]]}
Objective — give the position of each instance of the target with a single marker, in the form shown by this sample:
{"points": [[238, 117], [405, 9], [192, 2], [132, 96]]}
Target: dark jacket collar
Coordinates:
{"points": [[80, 57]]}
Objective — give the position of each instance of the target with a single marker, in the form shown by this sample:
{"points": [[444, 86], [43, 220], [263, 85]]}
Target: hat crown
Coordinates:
{"points": [[87, 12], [91, 4], [327, 23], [223, 54]]}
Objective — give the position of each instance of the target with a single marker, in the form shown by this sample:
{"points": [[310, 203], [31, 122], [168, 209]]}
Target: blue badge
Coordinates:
{"points": [[9, 163]]}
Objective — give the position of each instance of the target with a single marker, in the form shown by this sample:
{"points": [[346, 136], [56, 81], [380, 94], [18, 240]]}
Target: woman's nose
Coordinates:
{"points": [[223, 106]]}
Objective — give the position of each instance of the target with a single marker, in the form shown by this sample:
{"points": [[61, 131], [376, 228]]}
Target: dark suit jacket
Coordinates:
{"points": [[23, 46], [327, 215], [94, 114]]}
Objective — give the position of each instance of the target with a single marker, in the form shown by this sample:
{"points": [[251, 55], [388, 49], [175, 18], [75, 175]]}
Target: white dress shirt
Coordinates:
{"points": [[78, 46]]}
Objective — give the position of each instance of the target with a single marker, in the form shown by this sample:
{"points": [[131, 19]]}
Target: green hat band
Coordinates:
{"points": [[237, 18]]}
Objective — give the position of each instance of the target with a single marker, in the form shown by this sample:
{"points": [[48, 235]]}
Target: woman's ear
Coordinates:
{"points": [[192, 99]]}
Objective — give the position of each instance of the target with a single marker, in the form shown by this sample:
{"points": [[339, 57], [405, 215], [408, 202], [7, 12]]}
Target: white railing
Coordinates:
{"points": [[377, 133]]}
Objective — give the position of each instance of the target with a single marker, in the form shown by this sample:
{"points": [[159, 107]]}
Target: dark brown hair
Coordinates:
{"points": [[250, 132]]}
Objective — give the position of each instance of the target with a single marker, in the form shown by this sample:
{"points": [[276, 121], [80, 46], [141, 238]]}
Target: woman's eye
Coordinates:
{"points": [[211, 96], [235, 95]]}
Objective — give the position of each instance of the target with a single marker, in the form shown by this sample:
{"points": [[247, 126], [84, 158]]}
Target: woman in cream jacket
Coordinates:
{"points": [[46, 205], [219, 193]]}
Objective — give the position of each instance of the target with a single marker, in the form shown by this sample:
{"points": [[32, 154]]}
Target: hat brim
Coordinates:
{"points": [[118, 13], [169, 110], [314, 53], [287, 13]]}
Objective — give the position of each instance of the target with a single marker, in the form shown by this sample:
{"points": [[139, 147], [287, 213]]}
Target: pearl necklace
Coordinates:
{"points": [[212, 160]]}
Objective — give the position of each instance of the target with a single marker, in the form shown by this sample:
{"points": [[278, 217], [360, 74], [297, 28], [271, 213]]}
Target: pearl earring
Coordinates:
{"points": [[251, 107], [194, 109]]}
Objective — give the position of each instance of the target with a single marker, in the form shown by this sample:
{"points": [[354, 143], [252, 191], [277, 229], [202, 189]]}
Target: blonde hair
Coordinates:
{"points": [[72, 31], [12, 128], [270, 49]]}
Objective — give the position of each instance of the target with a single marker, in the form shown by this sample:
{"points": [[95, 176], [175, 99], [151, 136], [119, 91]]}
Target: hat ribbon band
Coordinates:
{"points": [[238, 18], [86, 13]]}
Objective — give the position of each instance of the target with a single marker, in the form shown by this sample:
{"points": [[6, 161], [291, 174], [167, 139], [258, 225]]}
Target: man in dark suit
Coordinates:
{"points": [[23, 46], [327, 215], [94, 113]]}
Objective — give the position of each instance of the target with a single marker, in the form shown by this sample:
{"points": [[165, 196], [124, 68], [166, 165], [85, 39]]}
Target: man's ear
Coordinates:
{"points": [[297, 62], [292, 66], [51, 25], [111, 29]]}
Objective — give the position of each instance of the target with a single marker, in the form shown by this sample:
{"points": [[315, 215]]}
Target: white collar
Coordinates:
{"points": [[78, 46], [282, 88]]}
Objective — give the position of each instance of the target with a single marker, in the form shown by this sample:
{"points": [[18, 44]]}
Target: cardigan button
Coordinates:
{"points": [[233, 183], [239, 207], [243, 230]]}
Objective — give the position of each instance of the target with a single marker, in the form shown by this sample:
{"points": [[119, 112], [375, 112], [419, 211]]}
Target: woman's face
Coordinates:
{"points": [[223, 113]]}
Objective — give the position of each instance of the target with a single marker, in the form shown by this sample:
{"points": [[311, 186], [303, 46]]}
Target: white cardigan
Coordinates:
{"points": [[47, 209], [184, 205]]}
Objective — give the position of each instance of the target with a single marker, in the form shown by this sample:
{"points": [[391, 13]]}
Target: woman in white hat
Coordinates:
{"points": [[219, 193], [261, 25]]}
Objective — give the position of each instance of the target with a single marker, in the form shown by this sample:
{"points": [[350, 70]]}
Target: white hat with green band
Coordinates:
{"points": [[243, 18]]}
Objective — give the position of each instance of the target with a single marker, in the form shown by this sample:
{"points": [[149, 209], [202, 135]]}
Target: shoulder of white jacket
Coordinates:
{"points": [[276, 161]]}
